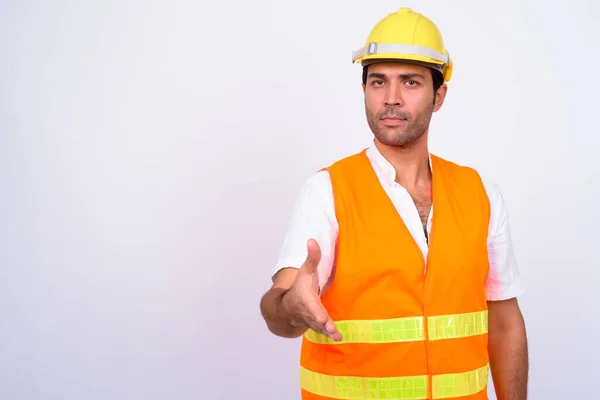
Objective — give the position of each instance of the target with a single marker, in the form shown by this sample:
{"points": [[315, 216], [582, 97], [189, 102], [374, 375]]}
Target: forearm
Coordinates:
{"points": [[276, 312], [509, 362]]}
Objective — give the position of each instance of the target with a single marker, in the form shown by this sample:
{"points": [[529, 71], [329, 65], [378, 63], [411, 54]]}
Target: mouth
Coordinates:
{"points": [[393, 120]]}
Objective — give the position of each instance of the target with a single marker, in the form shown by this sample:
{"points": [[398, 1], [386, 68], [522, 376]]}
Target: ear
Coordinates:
{"points": [[364, 87], [440, 96]]}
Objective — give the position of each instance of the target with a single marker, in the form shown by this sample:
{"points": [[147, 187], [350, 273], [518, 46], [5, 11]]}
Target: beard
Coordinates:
{"points": [[405, 136]]}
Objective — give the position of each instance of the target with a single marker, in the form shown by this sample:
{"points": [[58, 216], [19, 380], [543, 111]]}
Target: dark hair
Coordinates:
{"points": [[437, 77]]}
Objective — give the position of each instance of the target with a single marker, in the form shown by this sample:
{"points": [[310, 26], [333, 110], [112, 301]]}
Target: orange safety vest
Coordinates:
{"points": [[411, 330]]}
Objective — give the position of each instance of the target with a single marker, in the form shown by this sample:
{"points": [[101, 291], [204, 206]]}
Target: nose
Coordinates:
{"points": [[393, 96]]}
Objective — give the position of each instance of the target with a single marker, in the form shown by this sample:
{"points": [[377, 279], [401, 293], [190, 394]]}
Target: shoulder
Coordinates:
{"points": [[348, 163], [316, 191], [320, 182], [469, 177], [318, 179], [492, 190], [453, 167], [491, 187]]}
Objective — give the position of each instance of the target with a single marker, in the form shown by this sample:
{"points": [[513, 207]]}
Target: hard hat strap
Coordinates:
{"points": [[401, 49]]}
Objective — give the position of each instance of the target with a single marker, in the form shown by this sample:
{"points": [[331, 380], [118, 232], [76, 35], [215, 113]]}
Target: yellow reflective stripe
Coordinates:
{"points": [[457, 325], [457, 385], [356, 388], [406, 329], [396, 388], [374, 331]]}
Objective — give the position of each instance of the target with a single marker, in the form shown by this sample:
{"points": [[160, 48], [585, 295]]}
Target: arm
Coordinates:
{"points": [[506, 329], [508, 350]]}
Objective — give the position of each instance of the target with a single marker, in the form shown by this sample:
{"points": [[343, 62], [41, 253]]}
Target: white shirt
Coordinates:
{"points": [[314, 217]]}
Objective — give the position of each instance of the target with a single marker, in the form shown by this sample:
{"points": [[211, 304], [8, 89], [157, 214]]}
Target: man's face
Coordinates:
{"points": [[399, 102]]}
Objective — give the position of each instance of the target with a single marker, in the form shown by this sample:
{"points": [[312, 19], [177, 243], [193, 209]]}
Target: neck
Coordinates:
{"points": [[411, 163]]}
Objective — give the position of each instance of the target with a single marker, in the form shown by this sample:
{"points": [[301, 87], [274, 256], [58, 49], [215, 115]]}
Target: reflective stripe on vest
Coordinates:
{"points": [[406, 329], [445, 386]]}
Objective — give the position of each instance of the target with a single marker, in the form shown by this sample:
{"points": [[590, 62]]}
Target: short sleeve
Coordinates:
{"points": [[504, 280], [313, 216]]}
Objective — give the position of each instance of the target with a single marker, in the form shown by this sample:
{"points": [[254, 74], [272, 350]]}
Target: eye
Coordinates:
{"points": [[378, 82], [412, 82]]}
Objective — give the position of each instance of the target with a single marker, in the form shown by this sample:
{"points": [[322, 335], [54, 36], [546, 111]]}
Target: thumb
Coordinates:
{"points": [[309, 269], [313, 257]]}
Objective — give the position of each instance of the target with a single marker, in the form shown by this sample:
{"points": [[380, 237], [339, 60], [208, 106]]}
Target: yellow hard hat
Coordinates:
{"points": [[407, 36]]}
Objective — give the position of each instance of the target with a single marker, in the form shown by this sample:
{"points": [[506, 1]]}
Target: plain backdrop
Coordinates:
{"points": [[151, 152]]}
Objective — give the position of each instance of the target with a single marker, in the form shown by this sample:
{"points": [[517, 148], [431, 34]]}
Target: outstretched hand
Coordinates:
{"points": [[304, 295]]}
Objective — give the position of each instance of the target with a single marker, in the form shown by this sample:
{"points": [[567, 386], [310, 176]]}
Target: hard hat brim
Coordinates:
{"points": [[400, 51], [431, 65], [395, 52]]}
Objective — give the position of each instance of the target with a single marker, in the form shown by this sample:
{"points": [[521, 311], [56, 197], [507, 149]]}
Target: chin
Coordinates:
{"points": [[391, 136], [398, 139]]}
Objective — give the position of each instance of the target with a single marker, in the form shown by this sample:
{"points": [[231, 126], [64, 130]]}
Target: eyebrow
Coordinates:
{"points": [[403, 76]]}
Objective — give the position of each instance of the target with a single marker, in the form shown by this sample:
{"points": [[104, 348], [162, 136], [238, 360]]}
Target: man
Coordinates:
{"points": [[398, 269]]}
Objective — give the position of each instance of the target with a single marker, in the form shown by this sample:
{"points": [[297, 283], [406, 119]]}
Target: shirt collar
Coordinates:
{"points": [[382, 166]]}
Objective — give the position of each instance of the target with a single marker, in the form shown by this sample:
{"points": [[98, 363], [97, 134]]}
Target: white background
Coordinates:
{"points": [[150, 154]]}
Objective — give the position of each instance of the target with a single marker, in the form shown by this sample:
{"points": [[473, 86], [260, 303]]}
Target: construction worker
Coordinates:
{"points": [[398, 269]]}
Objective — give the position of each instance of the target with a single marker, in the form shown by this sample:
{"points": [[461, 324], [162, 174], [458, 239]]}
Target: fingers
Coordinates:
{"points": [[328, 329], [332, 330], [321, 322]]}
